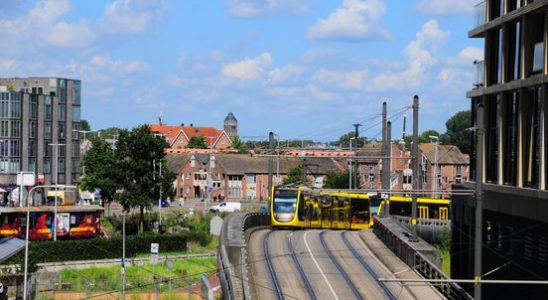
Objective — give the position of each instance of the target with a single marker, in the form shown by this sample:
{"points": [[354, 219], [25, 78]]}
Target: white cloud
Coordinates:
{"points": [[98, 66], [132, 16], [285, 74], [45, 16], [47, 11], [64, 34], [420, 53], [354, 20], [346, 80], [8, 64], [253, 8], [446, 7], [249, 68]]}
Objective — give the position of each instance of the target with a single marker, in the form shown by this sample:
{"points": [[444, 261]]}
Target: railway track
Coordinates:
{"points": [[271, 269], [367, 267], [306, 282], [340, 268]]}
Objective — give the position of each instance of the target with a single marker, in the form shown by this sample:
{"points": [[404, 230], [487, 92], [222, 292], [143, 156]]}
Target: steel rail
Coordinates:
{"points": [[367, 267], [339, 267], [306, 282], [271, 269]]}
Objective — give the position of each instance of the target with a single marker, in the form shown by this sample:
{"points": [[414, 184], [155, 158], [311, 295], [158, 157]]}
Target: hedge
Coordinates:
{"points": [[103, 248]]}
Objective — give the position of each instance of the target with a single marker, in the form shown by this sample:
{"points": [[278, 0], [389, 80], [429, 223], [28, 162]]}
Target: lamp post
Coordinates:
{"points": [[436, 181], [56, 175], [29, 196], [209, 178]]}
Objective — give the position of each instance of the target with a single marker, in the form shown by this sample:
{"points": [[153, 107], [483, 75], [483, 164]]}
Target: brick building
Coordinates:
{"points": [[178, 136]]}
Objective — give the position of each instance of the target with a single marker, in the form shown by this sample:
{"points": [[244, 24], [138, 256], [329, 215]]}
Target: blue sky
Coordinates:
{"points": [[305, 69]]}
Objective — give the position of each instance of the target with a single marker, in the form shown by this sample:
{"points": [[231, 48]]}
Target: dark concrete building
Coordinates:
{"points": [[230, 125], [34, 113], [511, 85]]}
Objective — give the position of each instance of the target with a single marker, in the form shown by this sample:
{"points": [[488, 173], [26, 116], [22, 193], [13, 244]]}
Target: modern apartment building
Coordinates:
{"points": [[511, 86], [36, 112]]}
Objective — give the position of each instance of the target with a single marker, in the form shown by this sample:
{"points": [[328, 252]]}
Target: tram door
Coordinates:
{"points": [[315, 213], [444, 213], [423, 212], [342, 213], [326, 211]]}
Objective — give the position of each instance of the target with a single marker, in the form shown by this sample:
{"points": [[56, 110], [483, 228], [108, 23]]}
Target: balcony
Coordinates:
{"points": [[479, 75], [480, 14]]}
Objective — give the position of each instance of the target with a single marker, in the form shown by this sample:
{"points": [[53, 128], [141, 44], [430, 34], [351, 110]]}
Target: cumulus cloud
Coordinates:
{"points": [[354, 20], [446, 7], [132, 16], [253, 8], [285, 74], [346, 80], [94, 70], [249, 68], [420, 57], [45, 16]]}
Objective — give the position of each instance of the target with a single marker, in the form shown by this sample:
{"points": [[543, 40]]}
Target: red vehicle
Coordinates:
{"points": [[72, 222]]}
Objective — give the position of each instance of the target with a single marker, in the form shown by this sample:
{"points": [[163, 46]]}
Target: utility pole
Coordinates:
{"points": [[304, 171], [479, 199], [270, 163], [56, 177], [123, 269], [415, 165], [384, 164], [388, 165], [357, 133]]}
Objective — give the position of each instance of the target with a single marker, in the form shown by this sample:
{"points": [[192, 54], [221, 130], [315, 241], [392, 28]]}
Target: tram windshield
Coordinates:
{"points": [[285, 205]]}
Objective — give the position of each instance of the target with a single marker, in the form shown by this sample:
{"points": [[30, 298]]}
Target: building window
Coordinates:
{"points": [[48, 109], [15, 107], [534, 44], [47, 130], [47, 166], [16, 128], [513, 58], [76, 114], [32, 164], [61, 129], [32, 129], [496, 8], [62, 113], [4, 106], [75, 165], [14, 166], [510, 136], [33, 109], [531, 137], [250, 179], [47, 148], [514, 4], [61, 165], [75, 149], [33, 148], [458, 177], [4, 146], [15, 148], [538, 57], [491, 138], [4, 128]]}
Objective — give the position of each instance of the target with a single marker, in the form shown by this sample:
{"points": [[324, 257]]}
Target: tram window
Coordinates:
{"points": [[359, 211], [302, 208], [72, 219], [423, 212]]}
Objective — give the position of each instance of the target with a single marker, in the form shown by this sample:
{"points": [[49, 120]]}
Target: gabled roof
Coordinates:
{"points": [[447, 154], [210, 134]]}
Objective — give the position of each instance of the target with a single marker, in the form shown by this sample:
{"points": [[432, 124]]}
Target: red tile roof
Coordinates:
{"points": [[211, 134]]}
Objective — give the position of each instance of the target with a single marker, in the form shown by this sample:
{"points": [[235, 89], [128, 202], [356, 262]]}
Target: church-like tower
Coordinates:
{"points": [[230, 125]]}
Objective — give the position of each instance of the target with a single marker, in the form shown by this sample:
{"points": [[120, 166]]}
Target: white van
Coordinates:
{"points": [[226, 207]]}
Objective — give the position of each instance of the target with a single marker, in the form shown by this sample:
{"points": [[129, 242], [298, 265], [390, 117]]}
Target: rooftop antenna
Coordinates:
{"points": [[161, 118]]}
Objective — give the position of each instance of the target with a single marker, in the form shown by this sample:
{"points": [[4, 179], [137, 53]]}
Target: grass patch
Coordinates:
{"points": [[138, 278], [193, 248], [445, 257]]}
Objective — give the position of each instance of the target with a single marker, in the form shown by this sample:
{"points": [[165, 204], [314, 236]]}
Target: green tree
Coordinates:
{"points": [[197, 142], [101, 170], [344, 140], [337, 180], [425, 136], [239, 145], [137, 153], [457, 133], [295, 175], [84, 125]]}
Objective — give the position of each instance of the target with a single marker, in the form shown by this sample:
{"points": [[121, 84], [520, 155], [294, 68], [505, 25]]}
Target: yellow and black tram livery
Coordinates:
{"points": [[427, 208], [304, 207]]}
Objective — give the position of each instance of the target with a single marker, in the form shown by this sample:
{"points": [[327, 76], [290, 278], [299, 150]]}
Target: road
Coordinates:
{"points": [[327, 264]]}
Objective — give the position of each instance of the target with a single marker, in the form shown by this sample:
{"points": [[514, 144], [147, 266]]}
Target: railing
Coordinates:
{"points": [[480, 11], [232, 253], [414, 259], [479, 78]]}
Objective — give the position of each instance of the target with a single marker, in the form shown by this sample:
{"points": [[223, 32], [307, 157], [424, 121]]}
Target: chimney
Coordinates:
{"points": [[191, 124]]}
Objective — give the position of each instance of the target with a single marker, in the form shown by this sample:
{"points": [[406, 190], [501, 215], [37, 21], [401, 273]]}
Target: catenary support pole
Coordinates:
{"points": [[388, 165], [384, 165], [479, 200], [270, 163], [415, 166]]}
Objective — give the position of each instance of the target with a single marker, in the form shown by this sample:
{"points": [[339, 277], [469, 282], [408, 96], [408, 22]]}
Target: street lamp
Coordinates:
{"points": [[55, 185], [29, 197], [436, 181]]}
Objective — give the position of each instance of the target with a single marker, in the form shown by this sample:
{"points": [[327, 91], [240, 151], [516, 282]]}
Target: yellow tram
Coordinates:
{"points": [[303, 207], [427, 208]]}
